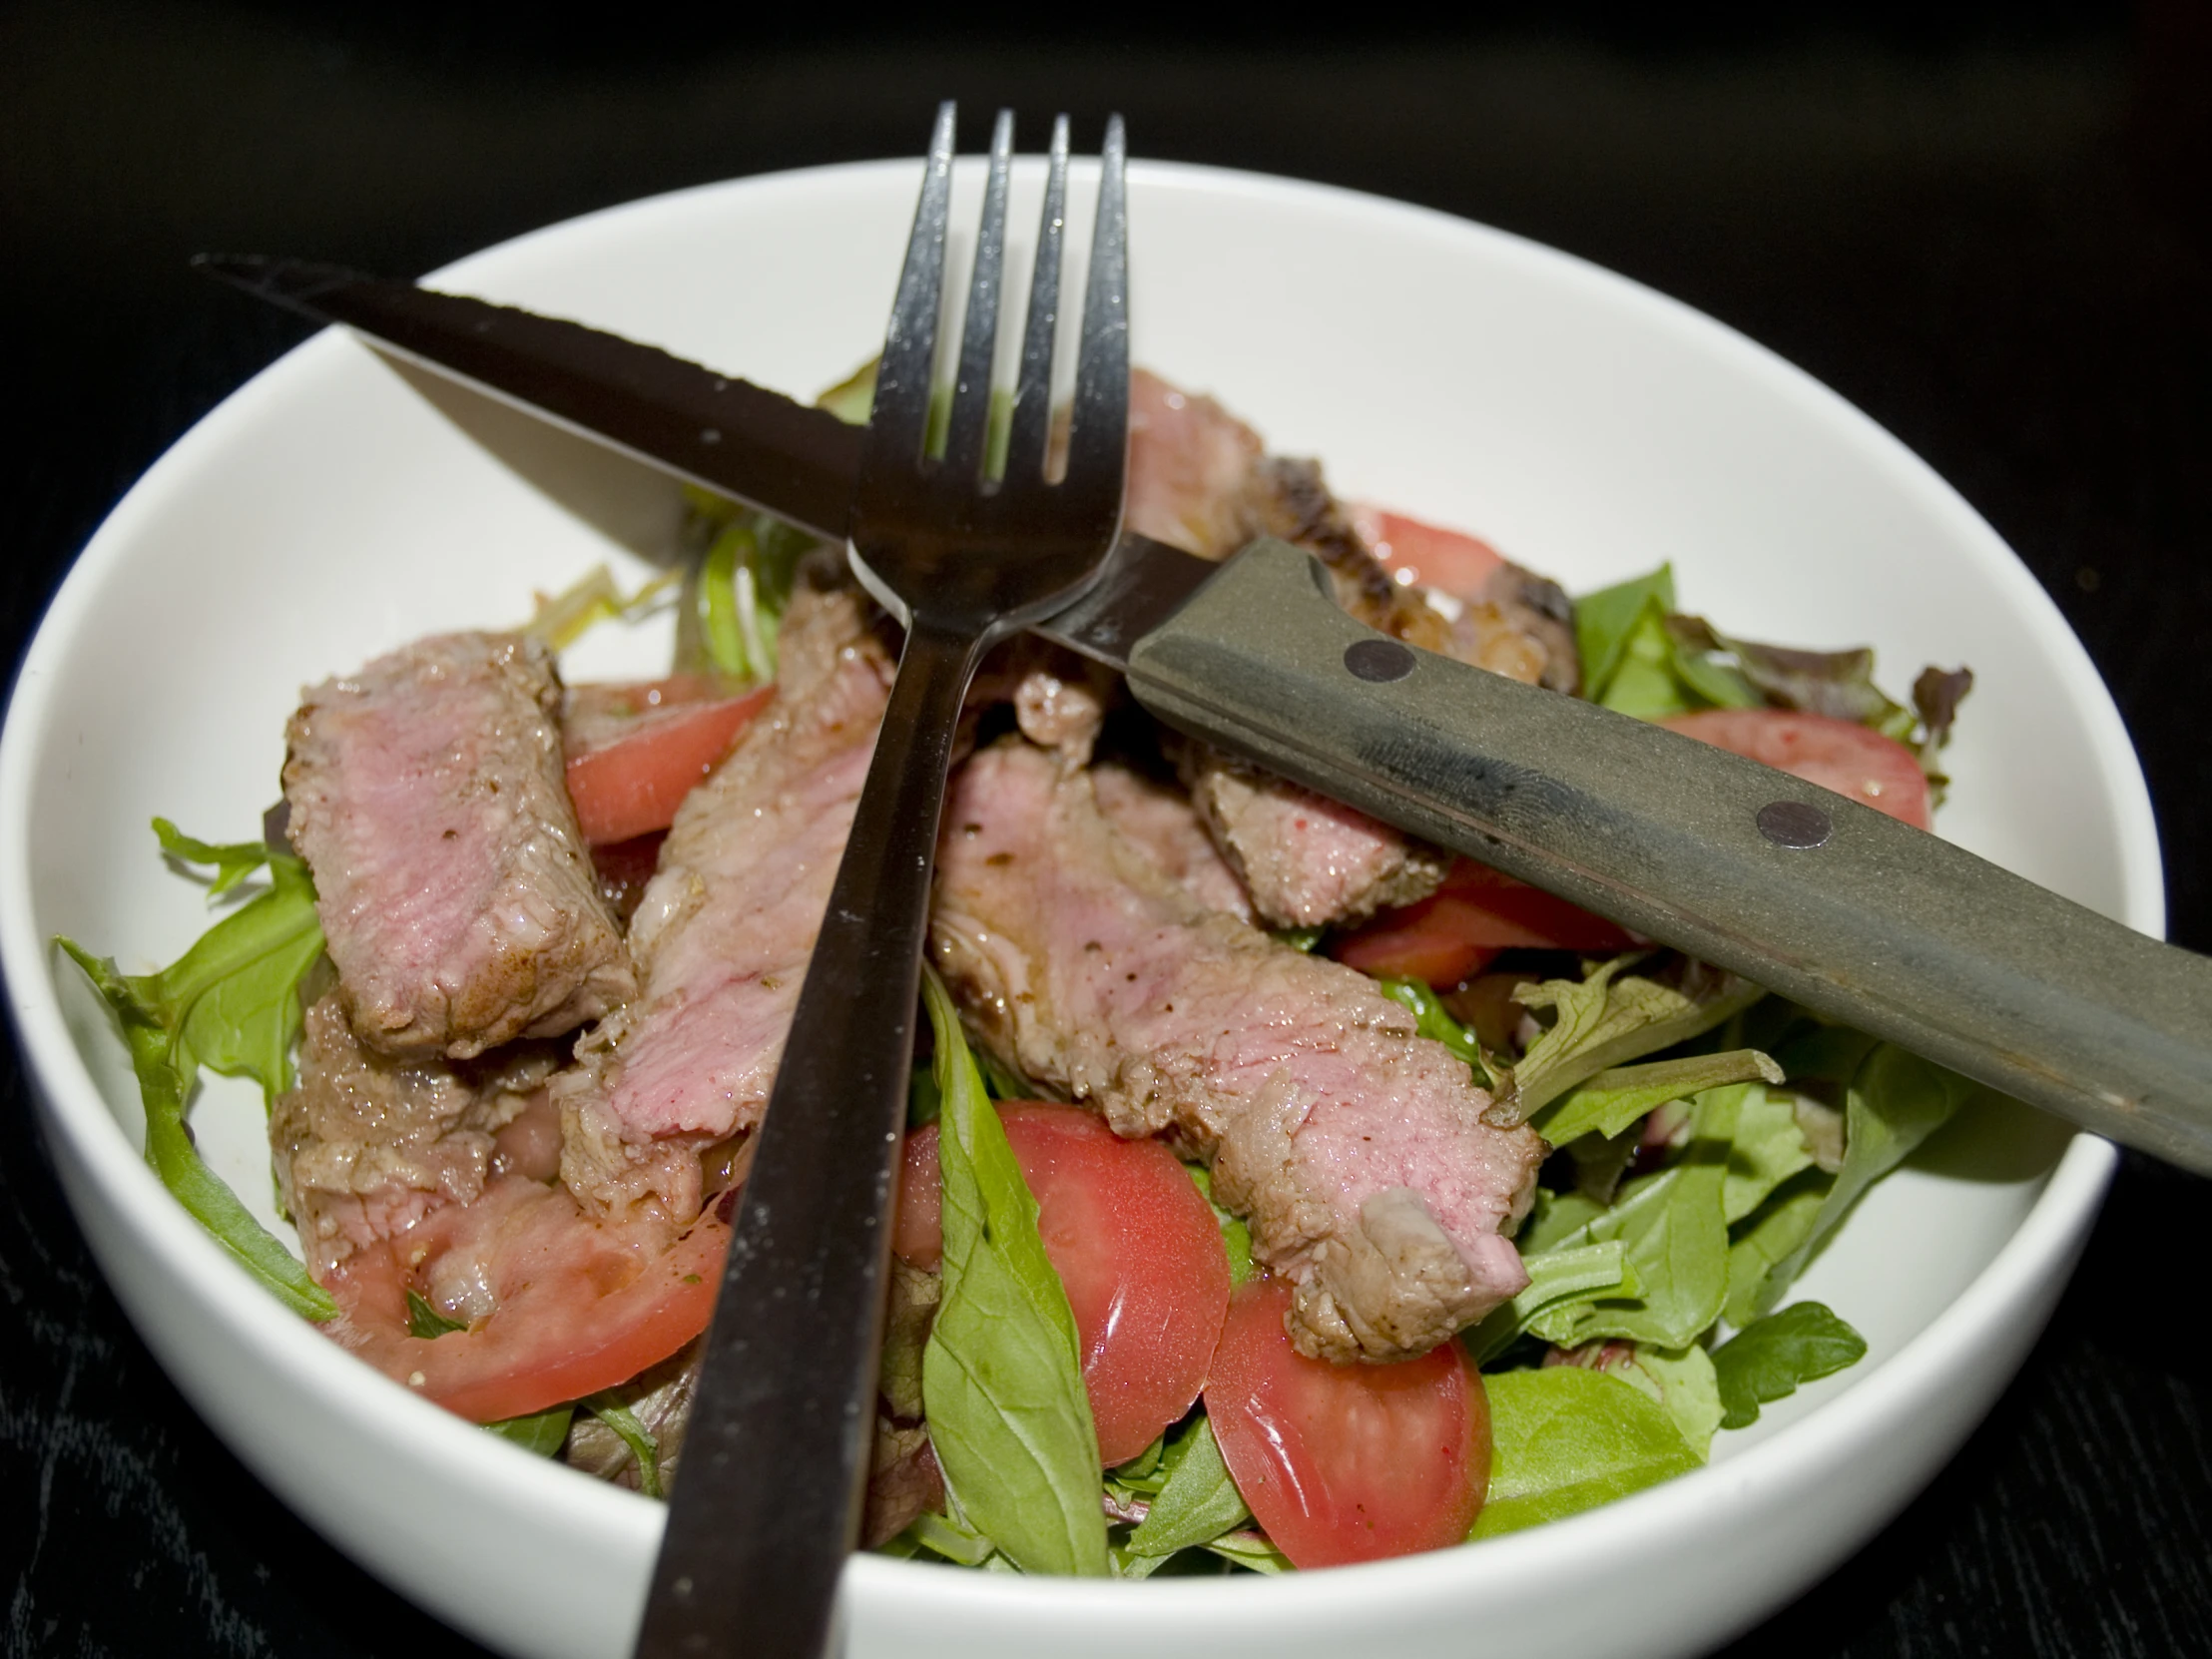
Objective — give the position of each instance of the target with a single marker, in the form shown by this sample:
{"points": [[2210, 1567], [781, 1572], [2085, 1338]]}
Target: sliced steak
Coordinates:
{"points": [[1200, 479], [727, 925], [456, 895], [1306, 860], [1163, 821], [1356, 1147], [366, 1145]]}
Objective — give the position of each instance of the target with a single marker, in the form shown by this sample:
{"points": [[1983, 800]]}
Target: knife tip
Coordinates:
{"points": [[292, 283]]}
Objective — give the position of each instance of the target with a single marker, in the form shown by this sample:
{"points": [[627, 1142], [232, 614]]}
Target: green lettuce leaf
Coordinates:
{"points": [[562, 619], [541, 1433], [1611, 1100], [1557, 1280], [1769, 1357], [1893, 1102], [1198, 1501], [1765, 1145], [233, 861], [1236, 1237], [1681, 1380], [1002, 1374], [1251, 1551], [1610, 1018], [944, 1536], [230, 1003], [425, 1321], [1436, 1023], [1564, 1439], [1684, 1381], [644, 1445], [1675, 1243], [1836, 683], [742, 586], [1605, 622], [1771, 1235]]}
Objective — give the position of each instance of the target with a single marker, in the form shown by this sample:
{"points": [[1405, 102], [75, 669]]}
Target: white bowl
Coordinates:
{"points": [[334, 508]]}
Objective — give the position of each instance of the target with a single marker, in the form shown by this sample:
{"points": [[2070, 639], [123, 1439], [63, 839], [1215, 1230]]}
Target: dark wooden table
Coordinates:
{"points": [[1995, 235]]}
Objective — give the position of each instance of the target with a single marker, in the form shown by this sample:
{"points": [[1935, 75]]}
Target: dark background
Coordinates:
{"points": [[1990, 227]]}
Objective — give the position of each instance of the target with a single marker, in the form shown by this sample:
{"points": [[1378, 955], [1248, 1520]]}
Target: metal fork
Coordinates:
{"points": [[776, 1459]]}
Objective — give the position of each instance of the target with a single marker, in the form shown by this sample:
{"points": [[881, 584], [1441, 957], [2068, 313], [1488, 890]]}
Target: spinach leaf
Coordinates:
{"points": [[1769, 1357], [1610, 1018], [230, 1003], [1199, 1502], [1611, 1100], [1564, 1439], [1002, 1374], [541, 1433], [1434, 1022]]}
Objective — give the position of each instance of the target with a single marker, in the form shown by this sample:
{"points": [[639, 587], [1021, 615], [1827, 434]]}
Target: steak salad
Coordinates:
{"points": [[1281, 1191]]}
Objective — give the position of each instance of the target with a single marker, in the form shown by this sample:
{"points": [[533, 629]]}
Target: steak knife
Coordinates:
{"points": [[1827, 902]]}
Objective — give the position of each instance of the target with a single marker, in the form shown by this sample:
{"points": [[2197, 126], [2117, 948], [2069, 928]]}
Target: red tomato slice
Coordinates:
{"points": [[1412, 551], [1459, 929], [1344, 1464], [581, 1306], [634, 784], [1134, 1242], [1837, 755]]}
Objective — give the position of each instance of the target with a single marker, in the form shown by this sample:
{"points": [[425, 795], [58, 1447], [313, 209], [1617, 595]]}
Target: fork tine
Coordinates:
{"points": [[900, 417], [968, 433], [1032, 421], [1099, 442]]}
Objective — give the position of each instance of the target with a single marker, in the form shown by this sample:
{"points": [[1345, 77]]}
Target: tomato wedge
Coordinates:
{"points": [[580, 1307], [1837, 755], [1344, 1464], [1461, 927], [1134, 1242], [632, 784], [1450, 560]]}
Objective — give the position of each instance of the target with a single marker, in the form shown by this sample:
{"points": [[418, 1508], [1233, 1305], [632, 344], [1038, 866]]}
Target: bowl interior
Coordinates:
{"points": [[339, 505]]}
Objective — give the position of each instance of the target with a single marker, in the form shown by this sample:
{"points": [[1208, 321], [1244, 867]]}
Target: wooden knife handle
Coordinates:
{"points": [[1875, 923]]}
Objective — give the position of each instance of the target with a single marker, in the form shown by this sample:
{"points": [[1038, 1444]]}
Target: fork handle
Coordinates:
{"points": [[1827, 902], [759, 1526]]}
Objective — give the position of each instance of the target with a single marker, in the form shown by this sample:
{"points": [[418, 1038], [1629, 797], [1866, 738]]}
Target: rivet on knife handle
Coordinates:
{"points": [[1816, 896]]}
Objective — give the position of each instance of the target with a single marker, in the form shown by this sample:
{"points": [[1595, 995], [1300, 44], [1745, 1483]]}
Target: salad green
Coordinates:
{"points": [[1706, 1141]]}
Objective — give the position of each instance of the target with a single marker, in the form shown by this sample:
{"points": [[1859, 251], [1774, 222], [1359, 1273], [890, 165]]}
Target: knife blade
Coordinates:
{"points": [[719, 431], [1808, 894]]}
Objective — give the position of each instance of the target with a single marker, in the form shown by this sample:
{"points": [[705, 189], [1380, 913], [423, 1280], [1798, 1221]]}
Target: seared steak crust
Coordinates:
{"points": [[366, 1145], [1356, 1147], [457, 898], [722, 935]]}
